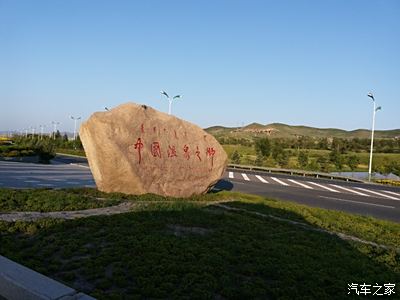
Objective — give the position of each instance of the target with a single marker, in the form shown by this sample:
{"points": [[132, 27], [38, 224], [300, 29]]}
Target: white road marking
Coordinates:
{"points": [[72, 182], [245, 177], [32, 181], [358, 202], [45, 184], [279, 181], [74, 164], [324, 187], [301, 184], [349, 190], [231, 175], [379, 194], [261, 179], [390, 192]]}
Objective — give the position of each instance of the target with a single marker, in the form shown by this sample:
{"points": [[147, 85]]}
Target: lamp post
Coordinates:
{"points": [[75, 120], [375, 109], [55, 128], [41, 130], [33, 132], [170, 100]]}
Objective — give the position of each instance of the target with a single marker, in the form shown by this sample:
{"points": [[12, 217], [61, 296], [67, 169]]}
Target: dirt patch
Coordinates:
{"points": [[179, 230]]}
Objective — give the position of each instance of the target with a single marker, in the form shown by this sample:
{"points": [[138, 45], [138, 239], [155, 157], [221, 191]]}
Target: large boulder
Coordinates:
{"points": [[135, 149]]}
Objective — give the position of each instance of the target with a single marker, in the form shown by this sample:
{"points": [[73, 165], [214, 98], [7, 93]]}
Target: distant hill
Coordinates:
{"points": [[279, 130]]}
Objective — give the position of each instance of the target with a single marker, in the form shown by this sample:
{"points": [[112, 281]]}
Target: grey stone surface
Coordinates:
{"points": [[21, 283], [18, 282]]}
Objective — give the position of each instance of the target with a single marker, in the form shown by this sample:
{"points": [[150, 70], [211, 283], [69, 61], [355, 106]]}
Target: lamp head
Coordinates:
{"points": [[164, 93], [371, 96]]}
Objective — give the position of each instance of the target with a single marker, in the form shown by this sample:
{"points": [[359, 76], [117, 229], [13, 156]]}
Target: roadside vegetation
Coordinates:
{"points": [[247, 248], [322, 155], [46, 200], [43, 146]]}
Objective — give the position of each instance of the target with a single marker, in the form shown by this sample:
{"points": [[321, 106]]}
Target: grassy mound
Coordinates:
{"points": [[193, 248]]}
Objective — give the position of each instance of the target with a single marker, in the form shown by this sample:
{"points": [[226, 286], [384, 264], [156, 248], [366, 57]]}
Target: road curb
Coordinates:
{"points": [[19, 282]]}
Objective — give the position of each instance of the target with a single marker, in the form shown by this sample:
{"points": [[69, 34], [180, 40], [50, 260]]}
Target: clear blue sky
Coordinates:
{"points": [[235, 62]]}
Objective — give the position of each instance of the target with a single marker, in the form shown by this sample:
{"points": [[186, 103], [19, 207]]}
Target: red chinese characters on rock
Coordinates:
{"points": [[198, 153], [156, 149], [186, 152], [138, 146], [210, 153], [171, 151]]}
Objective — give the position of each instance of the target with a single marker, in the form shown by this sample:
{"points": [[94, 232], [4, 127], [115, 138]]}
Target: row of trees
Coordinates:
{"points": [[57, 140], [304, 142], [276, 153]]}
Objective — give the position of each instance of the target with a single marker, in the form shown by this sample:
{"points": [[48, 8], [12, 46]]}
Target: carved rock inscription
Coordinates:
{"points": [[135, 149]]}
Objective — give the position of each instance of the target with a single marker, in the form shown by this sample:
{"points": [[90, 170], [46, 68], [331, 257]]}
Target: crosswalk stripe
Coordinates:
{"points": [[245, 177], [376, 193], [390, 192], [231, 175], [301, 184], [279, 181], [324, 187], [261, 179], [349, 190]]}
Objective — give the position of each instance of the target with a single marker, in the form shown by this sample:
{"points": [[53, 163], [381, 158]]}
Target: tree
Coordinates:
{"points": [[277, 149], [352, 162], [259, 160], [323, 164], [336, 158], [57, 135], [263, 146], [283, 159], [302, 159], [235, 157], [313, 166]]}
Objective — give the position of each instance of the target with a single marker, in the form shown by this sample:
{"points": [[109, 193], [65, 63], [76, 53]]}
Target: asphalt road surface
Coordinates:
{"points": [[367, 199]]}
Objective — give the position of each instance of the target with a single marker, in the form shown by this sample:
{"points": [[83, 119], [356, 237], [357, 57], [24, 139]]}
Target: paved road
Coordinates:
{"points": [[58, 175], [366, 199]]}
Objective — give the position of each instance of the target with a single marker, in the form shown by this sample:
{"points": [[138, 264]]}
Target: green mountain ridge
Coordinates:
{"points": [[280, 130]]}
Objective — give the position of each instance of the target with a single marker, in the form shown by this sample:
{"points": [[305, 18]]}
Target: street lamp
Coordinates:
{"points": [[372, 134], [33, 132], [55, 128], [41, 130], [75, 120], [170, 100]]}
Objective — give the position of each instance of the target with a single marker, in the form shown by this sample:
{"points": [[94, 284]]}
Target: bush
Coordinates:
{"points": [[235, 158]]}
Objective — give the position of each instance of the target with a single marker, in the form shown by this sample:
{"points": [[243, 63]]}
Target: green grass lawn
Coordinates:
{"points": [[193, 249], [78, 152]]}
